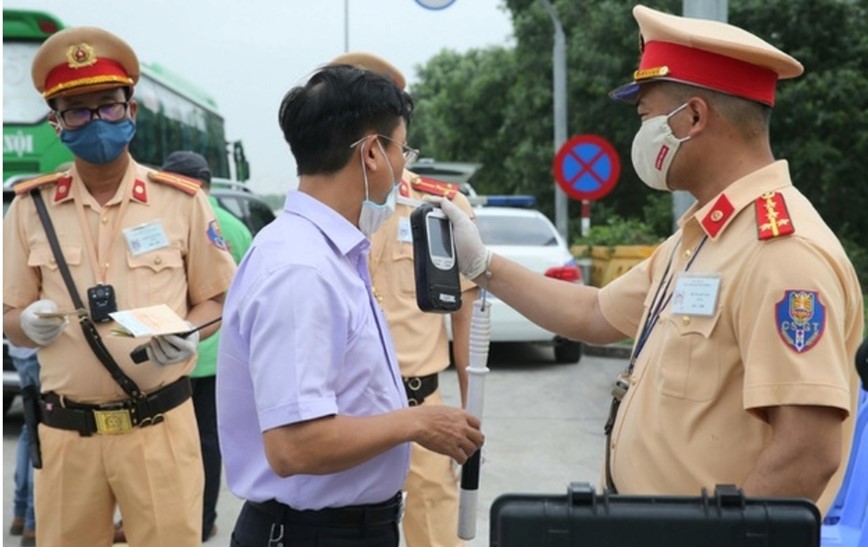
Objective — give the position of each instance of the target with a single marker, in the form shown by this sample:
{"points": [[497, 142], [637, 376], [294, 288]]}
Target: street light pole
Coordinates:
{"points": [[715, 10], [559, 72], [346, 26]]}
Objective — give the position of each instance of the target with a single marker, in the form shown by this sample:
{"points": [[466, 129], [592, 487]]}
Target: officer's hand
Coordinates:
{"points": [[449, 431], [473, 256], [42, 330], [168, 349]]}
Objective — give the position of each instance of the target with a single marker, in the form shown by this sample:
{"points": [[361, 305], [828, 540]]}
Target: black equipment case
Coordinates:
{"points": [[587, 519]]}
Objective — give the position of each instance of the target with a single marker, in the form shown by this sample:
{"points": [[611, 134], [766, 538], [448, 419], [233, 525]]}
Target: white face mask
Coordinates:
{"points": [[373, 215], [654, 148]]}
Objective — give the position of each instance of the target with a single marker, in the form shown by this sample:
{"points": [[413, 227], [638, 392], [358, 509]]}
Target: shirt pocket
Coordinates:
{"points": [[42, 257], [690, 360], [155, 270]]}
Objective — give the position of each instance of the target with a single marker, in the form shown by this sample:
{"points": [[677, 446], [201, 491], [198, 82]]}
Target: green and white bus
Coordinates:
{"points": [[173, 113]]}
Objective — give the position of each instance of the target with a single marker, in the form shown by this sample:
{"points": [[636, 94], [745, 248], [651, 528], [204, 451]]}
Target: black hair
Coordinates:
{"points": [[749, 117], [337, 106]]}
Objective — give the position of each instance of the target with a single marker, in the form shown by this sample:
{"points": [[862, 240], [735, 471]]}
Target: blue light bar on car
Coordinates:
{"points": [[509, 201]]}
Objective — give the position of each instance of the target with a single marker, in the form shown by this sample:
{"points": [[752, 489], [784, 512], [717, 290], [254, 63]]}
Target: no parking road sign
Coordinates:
{"points": [[587, 167]]}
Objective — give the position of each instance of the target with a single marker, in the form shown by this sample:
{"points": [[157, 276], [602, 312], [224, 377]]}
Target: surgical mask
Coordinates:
{"points": [[373, 215], [654, 148], [99, 141]]}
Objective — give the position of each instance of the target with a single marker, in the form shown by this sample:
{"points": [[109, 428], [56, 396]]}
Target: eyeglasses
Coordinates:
{"points": [[410, 154], [81, 116]]}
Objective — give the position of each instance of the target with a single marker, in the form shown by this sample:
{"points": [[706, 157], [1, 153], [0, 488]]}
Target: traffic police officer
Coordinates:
{"points": [[746, 319], [421, 340], [141, 238]]}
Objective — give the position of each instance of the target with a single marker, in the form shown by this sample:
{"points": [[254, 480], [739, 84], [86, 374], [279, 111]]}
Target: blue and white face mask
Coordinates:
{"points": [[99, 141], [373, 215]]}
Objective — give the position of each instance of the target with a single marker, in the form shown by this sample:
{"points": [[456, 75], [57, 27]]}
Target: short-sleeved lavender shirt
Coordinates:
{"points": [[302, 338]]}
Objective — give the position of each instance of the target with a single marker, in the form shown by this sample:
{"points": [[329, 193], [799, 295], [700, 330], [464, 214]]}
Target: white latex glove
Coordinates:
{"points": [[168, 349], [473, 256], [42, 330]]}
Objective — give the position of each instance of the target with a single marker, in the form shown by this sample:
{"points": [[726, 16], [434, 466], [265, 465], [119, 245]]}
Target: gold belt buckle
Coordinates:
{"points": [[112, 422]]}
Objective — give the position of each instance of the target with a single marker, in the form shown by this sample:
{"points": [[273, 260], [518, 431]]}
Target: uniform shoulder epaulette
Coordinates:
{"points": [[772, 217], [185, 184], [43, 180], [434, 187]]}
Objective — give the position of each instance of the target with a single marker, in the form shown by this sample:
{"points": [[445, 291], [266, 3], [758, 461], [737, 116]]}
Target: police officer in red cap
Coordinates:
{"points": [[745, 320], [113, 432]]}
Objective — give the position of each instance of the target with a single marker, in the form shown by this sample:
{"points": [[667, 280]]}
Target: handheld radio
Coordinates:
{"points": [[438, 288]]}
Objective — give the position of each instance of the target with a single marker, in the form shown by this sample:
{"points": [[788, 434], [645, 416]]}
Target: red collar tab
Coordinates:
{"points": [[706, 69], [716, 218], [772, 217], [63, 190], [435, 187], [140, 191]]}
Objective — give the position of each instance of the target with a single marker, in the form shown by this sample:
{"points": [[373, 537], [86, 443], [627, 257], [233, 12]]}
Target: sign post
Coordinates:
{"points": [[587, 168]]}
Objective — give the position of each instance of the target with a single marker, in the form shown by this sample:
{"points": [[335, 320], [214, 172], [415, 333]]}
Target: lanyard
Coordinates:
{"points": [[98, 261], [661, 298]]}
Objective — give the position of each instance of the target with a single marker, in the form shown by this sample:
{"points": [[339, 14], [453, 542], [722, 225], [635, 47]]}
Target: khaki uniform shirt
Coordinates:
{"points": [[693, 416], [420, 338], [195, 266]]}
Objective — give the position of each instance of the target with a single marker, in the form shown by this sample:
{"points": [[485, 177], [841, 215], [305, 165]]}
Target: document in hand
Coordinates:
{"points": [[148, 321]]}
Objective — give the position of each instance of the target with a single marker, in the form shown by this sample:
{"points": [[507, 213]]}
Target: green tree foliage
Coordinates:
{"points": [[494, 106]]}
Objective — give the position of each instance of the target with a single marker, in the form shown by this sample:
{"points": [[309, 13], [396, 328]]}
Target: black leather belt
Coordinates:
{"points": [[113, 418], [420, 387], [351, 516]]}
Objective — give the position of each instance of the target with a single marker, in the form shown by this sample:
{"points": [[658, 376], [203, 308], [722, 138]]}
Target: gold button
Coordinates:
{"points": [[687, 253], [613, 446], [633, 380], [158, 261], [685, 320], [51, 260], [717, 216], [104, 220]]}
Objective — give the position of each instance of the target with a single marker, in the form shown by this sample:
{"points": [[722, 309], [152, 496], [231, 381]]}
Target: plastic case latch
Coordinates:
{"points": [[581, 493], [729, 495]]}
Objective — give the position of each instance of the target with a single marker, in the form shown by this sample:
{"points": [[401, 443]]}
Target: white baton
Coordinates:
{"points": [[480, 328]]}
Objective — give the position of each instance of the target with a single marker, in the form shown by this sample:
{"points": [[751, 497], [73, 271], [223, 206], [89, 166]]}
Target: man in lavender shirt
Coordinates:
{"points": [[313, 417]]}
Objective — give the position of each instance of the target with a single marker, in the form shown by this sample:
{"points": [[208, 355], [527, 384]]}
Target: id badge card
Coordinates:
{"points": [[146, 237], [696, 294], [405, 235]]}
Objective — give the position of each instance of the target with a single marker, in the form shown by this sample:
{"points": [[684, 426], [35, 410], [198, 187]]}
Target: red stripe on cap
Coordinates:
{"points": [[63, 77], [711, 70]]}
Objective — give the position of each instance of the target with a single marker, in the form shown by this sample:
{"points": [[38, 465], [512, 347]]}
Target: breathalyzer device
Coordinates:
{"points": [[438, 288]]}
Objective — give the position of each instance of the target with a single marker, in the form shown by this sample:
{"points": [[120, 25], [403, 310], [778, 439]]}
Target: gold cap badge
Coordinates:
{"points": [[80, 55]]}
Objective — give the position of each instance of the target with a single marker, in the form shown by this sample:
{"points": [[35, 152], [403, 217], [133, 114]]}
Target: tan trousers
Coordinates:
{"points": [[154, 474], [431, 513]]}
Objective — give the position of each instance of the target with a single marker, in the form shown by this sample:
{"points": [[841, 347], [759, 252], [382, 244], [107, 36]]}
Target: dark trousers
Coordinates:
{"points": [[205, 404], [256, 528]]}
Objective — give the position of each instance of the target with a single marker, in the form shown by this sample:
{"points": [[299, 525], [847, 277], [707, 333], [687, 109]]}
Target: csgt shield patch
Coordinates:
{"points": [[216, 237], [800, 319]]}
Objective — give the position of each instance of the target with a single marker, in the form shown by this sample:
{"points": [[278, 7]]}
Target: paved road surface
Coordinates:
{"points": [[543, 425]]}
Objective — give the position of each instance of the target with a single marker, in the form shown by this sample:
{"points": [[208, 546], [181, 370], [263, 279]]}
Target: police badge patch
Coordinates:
{"points": [[800, 319], [215, 237]]}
